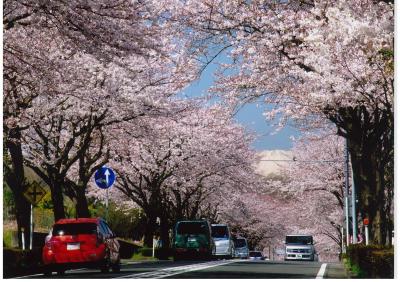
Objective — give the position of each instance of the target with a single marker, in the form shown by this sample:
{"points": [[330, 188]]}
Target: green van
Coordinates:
{"points": [[192, 239]]}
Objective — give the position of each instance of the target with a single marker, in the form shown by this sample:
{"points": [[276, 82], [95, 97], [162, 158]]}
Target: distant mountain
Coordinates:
{"points": [[272, 161]]}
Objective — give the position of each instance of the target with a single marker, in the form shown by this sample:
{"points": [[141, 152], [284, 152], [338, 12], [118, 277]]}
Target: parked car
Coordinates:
{"points": [[192, 239], [256, 255], [299, 247], [80, 242], [241, 248], [223, 241]]}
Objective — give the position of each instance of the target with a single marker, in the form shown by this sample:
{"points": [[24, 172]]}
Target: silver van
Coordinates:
{"points": [[299, 247], [221, 234], [241, 248]]}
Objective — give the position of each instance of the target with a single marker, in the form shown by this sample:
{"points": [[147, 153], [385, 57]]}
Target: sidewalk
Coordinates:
{"points": [[336, 271]]}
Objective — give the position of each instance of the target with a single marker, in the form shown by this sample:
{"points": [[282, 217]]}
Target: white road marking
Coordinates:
{"points": [[166, 272], [41, 274], [33, 275], [321, 271]]}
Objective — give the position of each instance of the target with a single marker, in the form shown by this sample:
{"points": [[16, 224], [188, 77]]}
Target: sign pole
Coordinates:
{"points": [[31, 235], [104, 179], [153, 246], [366, 223], [106, 205], [23, 238]]}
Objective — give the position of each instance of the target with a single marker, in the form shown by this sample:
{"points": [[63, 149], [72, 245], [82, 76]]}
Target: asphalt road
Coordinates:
{"points": [[212, 269]]}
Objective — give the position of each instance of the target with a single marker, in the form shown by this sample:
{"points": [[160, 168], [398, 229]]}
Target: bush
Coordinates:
{"points": [[18, 262], [146, 252], [372, 261]]}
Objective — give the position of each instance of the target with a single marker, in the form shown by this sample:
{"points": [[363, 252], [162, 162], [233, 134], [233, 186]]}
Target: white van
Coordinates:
{"points": [[224, 246], [299, 247], [241, 248]]}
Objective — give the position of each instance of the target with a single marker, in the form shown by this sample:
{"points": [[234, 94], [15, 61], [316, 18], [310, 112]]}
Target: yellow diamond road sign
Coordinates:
{"points": [[34, 193]]}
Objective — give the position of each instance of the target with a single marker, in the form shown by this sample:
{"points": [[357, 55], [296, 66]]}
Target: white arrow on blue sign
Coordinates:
{"points": [[104, 177]]}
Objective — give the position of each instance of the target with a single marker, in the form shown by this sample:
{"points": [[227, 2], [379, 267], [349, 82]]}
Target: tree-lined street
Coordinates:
{"points": [[97, 123]]}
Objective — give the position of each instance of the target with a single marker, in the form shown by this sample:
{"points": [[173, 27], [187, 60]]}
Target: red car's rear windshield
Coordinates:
{"points": [[74, 229]]}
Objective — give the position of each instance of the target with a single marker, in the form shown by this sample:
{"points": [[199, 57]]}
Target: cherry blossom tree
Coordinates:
{"points": [[71, 50], [183, 166], [316, 180], [314, 60]]}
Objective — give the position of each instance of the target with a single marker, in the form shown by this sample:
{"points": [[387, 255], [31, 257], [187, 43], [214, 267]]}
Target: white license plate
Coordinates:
{"points": [[299, 256], [73, 246]]}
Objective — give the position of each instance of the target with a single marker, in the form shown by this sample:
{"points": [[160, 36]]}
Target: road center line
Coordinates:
{"points": [[321, 271]]}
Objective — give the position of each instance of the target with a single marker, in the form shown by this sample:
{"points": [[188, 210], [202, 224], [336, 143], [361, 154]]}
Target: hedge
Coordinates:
{"points": [[373, 261], [19, 262], [146, 252], [160, 253]]}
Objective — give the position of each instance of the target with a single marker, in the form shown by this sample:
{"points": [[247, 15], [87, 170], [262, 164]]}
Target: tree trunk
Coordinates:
{"points": [[150, 229], [371, 144], [370, 189], [16, 181], [164, 232], [82, 209], [57, 198]]}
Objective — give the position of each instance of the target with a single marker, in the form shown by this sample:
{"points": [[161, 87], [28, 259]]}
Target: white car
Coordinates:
{"points": [[241, 248], [299, 247], [224, 247], [256, 255]]}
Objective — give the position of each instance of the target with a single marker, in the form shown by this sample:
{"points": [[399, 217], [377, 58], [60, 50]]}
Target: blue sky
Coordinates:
{"points": [[250, 115]]}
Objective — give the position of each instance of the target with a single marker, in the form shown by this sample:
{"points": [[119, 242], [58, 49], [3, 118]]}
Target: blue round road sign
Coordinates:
{"points": [[104, 177]]}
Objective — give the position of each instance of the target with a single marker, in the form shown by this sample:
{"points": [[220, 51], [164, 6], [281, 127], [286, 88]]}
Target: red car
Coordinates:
{"points": [[81, 242]]}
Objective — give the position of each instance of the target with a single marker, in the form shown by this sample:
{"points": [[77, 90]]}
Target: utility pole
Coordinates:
{"points": [[353, 209], [346, 193]]}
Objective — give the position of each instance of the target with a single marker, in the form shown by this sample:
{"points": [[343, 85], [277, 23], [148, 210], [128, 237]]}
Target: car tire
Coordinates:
{"points": [[47, 273], [105, 266], [116, 267], [60, 272], [208, 256]]}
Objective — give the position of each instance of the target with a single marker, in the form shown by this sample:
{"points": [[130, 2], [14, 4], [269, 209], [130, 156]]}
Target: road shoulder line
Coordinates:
{"points": [[321, 271]]}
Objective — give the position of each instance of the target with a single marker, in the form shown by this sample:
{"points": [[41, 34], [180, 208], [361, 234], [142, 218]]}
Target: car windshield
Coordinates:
{"points": [[240, 243], [74, 229], [300, 240], [220, 231], [255, 254], [192, 228]]}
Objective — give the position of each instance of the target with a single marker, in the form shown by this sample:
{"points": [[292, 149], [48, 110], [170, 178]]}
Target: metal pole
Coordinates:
{"points": [[366, 235], [107, 205], [23, 238], [269, 252], [31, 235], [353, 209], [346, 194], [342, 233], [153, 246]]}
